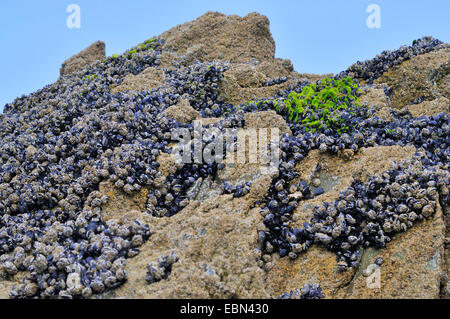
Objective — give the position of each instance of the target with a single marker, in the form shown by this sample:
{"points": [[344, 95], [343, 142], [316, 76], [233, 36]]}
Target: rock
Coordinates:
{"points": [[5, 288], [182, 112], [93, 53], [209, 120], [149, 79], [244, 82], [120, 203], [215, 242], [410, 269], [212, 246], [221, 37], [168, 59], [266, 119], [276, 68], [7, 285], [425, 77], [247, 75], [246, 42], [235, 174], [430, 108], [385, 114], [318, 265], [337, 174], [374, 96], [209, 189], [312, 78], [445, 286], [167, 164]]}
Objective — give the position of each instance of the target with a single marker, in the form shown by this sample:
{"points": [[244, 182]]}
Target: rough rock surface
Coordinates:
{"points": [[215, 241], [5, 287], [93, 53], [337, 174], [234, 38], [424, 77], [182, 112], [410, 269], [430, 108], [244, 82], [215, 237], [150, 78], [445, 282], [120, 203], [266, 119], [375, 97]]}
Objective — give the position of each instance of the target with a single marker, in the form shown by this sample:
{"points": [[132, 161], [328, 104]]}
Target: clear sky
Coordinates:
{"points": [[319, 36]]}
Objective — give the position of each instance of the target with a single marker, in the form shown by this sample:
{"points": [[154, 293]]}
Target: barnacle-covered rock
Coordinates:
{"points": [[430, 108], [181, 112], [92, 190], [424, 77], [216, 245], [95, 52], [307, 292], [151, 78]]}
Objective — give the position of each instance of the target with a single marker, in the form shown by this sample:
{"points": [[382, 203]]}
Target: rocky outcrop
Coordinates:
{"points": [[182, 112], [244, 82], [266, 120], [215, 242], [120, 174], [409, 270], [149, 79], [93, 53], [430, 108], [215, 237], [424, 77], [376, 97], [215, 36]]}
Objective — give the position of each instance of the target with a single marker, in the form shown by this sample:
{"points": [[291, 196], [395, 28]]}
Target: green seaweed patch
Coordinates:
{"points": [[391, 132], [150, 44], [147, 45], [318, 106], [90, 77], [131, 52]]}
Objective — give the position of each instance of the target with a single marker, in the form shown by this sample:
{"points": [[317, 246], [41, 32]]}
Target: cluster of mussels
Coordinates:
{"points": [[238, 191], [342, 226], [307, 292], [371, 70], [61, 142], [170, 195], [157, 271], [366, 214], [275, 81]]}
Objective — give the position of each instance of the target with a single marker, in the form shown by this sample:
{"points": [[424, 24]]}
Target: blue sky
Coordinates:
{"points": [[319, 36]]}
